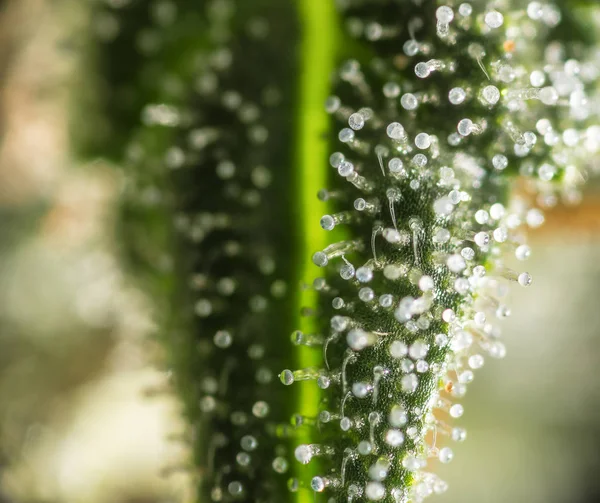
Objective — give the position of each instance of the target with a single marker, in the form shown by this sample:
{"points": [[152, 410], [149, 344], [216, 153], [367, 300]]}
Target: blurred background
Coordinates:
{"points": [[82, 415]]}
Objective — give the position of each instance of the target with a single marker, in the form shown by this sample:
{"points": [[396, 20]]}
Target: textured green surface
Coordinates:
{"points": [[221, 218], [345, 473]]}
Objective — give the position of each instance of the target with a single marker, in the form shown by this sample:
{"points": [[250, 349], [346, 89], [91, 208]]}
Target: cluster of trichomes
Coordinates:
{"points": [[205, 171], [451, 102], [443, 108], [235, 146]]}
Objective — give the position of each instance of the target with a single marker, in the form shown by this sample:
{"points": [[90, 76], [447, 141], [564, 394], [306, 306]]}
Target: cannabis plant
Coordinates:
{"points": [[329, 202]]}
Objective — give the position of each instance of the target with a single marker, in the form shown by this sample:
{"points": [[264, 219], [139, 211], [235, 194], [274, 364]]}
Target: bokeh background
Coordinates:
{"points": [[85, 409]]}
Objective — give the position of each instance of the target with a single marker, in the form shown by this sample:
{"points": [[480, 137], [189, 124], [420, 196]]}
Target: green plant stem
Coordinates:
{"points": [[317, 52]]}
